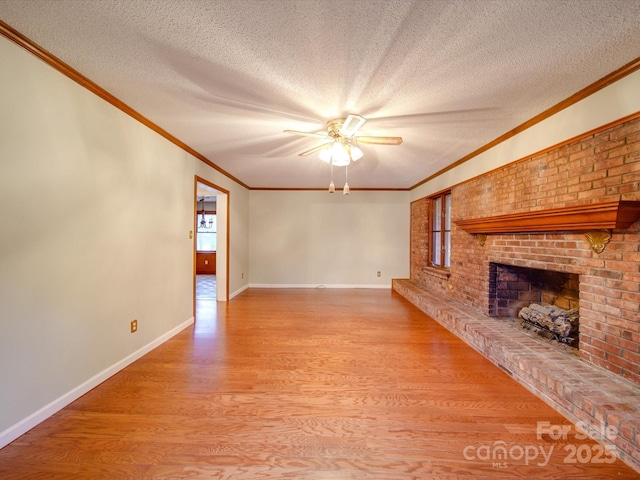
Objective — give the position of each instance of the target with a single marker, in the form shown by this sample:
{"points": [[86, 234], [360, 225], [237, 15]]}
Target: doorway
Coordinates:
{"points": [[211, 244]]}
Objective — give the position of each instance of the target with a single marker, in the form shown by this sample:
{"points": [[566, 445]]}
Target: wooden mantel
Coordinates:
{"points": [[607, 215]]}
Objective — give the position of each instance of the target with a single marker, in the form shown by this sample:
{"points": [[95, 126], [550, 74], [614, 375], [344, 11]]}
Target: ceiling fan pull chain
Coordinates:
{"points": [[332, 187], [346, 190]]}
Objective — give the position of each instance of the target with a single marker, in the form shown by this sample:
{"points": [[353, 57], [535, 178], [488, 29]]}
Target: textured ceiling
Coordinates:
{"points": [[226, 77]]}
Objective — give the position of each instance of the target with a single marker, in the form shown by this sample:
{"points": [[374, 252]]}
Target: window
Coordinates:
{"points": [[207, 233], [440, 230]]}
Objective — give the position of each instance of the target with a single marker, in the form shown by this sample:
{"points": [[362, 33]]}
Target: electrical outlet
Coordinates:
{"points": [[379, 274], [242, 276], [134, 326]]}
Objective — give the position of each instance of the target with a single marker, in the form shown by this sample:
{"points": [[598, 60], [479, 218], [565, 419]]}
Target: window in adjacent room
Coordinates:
{"points": [[440, 230], [207, 231]]}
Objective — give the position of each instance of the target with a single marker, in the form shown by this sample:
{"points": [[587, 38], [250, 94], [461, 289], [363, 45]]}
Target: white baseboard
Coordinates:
{"points": [[238, 292], [23, 426], [303, 285]]}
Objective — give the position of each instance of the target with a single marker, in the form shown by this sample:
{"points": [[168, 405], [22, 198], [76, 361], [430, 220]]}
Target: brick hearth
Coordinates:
{"points": [[579, 390]]}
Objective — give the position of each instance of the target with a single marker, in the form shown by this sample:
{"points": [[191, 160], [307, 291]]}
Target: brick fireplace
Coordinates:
{"points": [[599, 168]]}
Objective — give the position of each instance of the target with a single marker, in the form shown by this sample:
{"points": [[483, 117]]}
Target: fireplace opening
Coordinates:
{"points": [[544, 302]]}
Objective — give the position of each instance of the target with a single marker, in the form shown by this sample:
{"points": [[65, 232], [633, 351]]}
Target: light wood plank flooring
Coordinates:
{"points": [[308, 384]]}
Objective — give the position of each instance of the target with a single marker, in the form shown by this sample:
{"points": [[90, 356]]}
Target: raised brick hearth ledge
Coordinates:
{"points": [[580, 391]]}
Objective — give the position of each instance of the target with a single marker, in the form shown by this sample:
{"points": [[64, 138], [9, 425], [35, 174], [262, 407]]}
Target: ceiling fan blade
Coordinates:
{"points": [[315, 149], [351, 125], [379, 140], [307, 134]]}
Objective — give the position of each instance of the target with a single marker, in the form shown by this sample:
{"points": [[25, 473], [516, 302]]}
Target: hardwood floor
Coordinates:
{"points": [[308, 384]]}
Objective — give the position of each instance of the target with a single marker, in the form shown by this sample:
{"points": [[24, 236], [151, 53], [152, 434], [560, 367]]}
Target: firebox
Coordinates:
{"points": [[543, 301]]}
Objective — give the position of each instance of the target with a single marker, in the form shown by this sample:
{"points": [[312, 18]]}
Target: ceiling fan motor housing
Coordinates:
{"points": [[334, 126]]}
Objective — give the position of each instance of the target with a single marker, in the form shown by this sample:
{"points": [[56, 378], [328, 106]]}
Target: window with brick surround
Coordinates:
{"points": [[440, 230]]}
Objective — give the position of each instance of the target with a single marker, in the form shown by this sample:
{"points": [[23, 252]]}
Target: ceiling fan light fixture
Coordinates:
{"points": [[325, 155], [339, 155], [356, 153], [341, 144]]}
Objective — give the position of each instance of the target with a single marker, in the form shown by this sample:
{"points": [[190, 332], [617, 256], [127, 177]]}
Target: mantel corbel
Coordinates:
{"points": [[598, 239]]}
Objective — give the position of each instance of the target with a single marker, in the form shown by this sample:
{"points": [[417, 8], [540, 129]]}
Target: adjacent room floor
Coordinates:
{"points": [[309, 384]]}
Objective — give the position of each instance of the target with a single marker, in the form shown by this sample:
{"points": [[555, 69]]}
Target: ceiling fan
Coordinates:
{"points": [[341, 142]]}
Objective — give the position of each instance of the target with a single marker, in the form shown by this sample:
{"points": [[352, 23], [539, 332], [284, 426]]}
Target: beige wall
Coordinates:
{"points": [[316, 238], [95, 213]]}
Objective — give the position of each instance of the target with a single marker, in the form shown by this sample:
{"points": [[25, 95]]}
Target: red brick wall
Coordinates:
{"points": [[419, 239], [599, 167]]}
